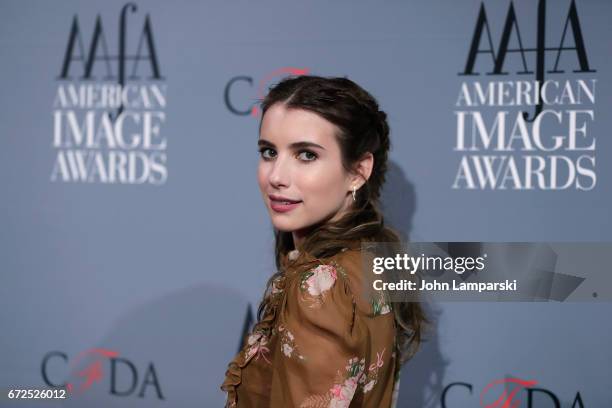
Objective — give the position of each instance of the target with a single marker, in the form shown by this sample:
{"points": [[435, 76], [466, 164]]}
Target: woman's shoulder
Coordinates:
{"points": [[356, 264], [345, 275]]}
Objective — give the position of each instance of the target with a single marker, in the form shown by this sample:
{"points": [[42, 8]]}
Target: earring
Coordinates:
{"points": [[354, 193]]}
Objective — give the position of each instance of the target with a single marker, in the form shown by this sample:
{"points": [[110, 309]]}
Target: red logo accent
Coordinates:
{"points": [[505, 399], [268, 78], [93, 372]]}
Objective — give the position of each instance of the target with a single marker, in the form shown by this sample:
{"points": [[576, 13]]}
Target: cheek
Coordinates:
{"points": [[325, 185]]}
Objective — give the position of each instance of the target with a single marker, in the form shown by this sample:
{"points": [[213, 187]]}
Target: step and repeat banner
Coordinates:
{"points": [[134, 243]]}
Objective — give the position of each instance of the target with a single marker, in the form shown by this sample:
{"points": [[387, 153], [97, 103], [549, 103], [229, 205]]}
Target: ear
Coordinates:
{"points": [[362, 170]]}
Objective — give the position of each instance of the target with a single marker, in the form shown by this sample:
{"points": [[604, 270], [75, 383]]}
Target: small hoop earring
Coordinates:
{"points": [[354, 193]]}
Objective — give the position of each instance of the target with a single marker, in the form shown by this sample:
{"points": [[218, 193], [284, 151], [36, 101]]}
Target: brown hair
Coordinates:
{"points": [[362, 128]]}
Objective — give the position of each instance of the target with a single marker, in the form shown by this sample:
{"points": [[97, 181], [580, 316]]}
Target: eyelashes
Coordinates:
{"points": [[307, 155], [304, 155], [263, 151]]}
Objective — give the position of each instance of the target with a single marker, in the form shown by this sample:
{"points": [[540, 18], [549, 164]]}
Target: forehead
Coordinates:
{"points": [[281, 125]]}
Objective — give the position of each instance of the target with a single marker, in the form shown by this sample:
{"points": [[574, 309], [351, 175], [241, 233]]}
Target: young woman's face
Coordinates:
{"points": [[300, 171]]}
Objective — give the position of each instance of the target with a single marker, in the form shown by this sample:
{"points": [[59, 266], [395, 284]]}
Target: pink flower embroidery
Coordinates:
{"points": [[288, 346], [342, 393], [343, 390], [371, 377], [257, 347], [318, 280], [379, 361]]}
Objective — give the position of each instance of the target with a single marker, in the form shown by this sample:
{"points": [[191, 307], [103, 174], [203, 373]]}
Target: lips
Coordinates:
{"points": [[284, 200], [283, 204]]}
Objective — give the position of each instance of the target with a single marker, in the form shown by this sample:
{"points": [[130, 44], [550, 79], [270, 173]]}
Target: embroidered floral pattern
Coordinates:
{"points": [[256, 346], [380, 306], [342, 391], [339, 269], [287, 342], [371, 377], [344, 380], [316, 282], [342, 394]]}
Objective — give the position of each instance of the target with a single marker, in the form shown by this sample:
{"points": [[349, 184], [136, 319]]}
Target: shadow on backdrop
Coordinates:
{"points": [[421, 377], [186, 338]]}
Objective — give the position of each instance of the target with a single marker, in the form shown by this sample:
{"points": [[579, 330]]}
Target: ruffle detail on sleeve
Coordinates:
{"points": [[233, 378], [262, 331]]}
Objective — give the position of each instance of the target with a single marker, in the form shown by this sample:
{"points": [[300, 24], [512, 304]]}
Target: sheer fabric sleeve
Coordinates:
{"points": [[334, 351]]}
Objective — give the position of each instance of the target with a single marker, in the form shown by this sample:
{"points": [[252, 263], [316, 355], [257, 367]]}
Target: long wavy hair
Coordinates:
{"points": [[362, 128]]}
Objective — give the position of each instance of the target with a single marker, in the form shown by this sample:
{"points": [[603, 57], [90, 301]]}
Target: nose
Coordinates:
{"points": [[279, 174]]}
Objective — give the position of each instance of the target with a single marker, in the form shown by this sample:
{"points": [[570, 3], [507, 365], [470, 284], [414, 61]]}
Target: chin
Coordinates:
{"points": [[285, 225], [282, 225]]}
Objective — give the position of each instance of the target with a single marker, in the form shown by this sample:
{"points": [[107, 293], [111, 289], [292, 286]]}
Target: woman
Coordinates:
{"points": [[321, 340]]}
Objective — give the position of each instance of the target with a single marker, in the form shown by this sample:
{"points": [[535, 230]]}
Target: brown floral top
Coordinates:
{"points": [[324, 341]]}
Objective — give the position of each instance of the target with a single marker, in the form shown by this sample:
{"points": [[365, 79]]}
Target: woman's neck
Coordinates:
{"points": [[298, 239]]}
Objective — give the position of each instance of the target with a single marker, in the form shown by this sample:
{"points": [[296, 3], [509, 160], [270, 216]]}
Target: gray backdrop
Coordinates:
{"points": [[157, 273]]}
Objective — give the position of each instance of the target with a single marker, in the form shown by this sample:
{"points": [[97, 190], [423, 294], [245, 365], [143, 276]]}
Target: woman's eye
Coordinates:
{"points": [[307, 155], [267, 153]]}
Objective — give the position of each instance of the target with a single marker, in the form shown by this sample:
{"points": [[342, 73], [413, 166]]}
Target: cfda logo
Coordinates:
{"points": [[86, 369], [110, 105], [508, 393], [245, 85]]}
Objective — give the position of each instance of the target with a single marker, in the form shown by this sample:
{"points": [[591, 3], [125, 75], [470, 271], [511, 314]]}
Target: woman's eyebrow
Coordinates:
{"points": [[295, 146]]}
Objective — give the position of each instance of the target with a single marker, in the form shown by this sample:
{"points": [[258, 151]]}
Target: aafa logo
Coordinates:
{"points": [[107, 129]]}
